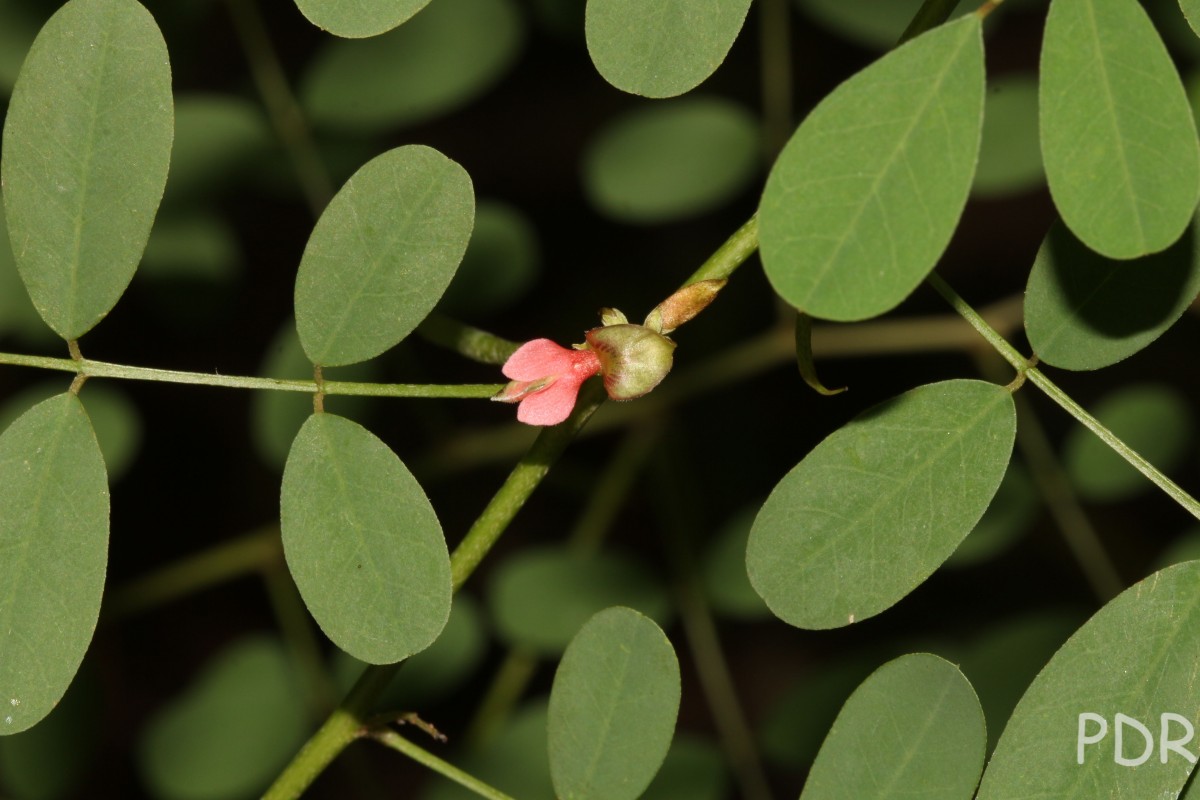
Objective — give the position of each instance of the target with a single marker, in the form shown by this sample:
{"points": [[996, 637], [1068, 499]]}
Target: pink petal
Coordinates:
{"points": [[550, 406], [537, 359]]}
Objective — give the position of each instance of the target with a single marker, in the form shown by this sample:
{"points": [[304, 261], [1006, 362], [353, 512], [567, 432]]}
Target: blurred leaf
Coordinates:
{"points": [[926, 735], [562, 18], [447, 56], [276, 417], [114, 418], [50, 760], [1010, 156], [1154, 420], [661, 49], [865, 196], [361, 18], [1185, 548], [723, 571], [693, 770], [87, 142], [197, 245], [874, 23], [501, 263], [671, 160], [231, 731], [1137, 656], [382, 254], [1132, 189], [431, 674], [1191, 12], [513, 761], [362, 542], [798, 720], [54, 547], [1004, 659], [215, 137], [1006, 519], [877, 506], [1085, 311], [612, 707], [18, 27], [542, 596]]}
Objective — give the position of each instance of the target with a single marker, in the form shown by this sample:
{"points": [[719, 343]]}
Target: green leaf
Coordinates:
{"points": [[1119, 142], [54, 547], [1184, 548], [381, 254], [1085, 311], [612, 707], [1009, 516], [87, 143], [231, 731], [804, 357], [362, 542], [1010, 156], [1137, 656], [541, 597], [692, 770], [356, 19], [877, 506], [925, 731], [723, 571], [661, 49], [1191, 12], [18, 28], [17, 314], [1155, 420], [448, 55], [671, 160], [216, 136], [865, 196]]}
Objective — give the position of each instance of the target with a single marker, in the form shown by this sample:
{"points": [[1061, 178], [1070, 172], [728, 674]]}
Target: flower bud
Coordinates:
{"points": [[633, 358], [683, 305]]}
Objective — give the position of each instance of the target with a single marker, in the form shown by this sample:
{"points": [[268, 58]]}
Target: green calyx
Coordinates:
{"points": [[633, 358]]}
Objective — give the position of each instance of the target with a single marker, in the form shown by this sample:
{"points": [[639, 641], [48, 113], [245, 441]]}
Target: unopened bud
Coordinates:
{"points": [[683, 305], [633, 358]]}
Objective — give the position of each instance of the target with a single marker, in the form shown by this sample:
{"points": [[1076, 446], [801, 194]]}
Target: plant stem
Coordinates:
{"points": [[730, 255], [422, 756], [104, 369], [475, 344], [282, 108], [1037, 378]]}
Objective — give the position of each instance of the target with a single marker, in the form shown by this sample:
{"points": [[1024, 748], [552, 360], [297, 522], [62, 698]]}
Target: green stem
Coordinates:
{"points": [[422, 756], [104, 369], [281, 105], [475, 344], [730, 255], [1039, 379], [931, 14]]}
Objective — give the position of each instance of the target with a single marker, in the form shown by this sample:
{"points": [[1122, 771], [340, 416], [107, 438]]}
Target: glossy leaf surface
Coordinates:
{"points": [[865, 196], [877, 506], [54, 547], [661, 49], [87, 142], [1136, 656], [362, 542], [1119, 141], [356, 19], [1084, 311], [926, 734], [382, 254], [612, 707]]}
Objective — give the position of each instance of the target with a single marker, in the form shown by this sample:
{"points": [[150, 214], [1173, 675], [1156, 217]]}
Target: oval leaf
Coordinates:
{"points": [[864, 198], [382, 254], [672, 160], [1137, 656], [541, 597], [926, 731], [1119, 143], [1085, 311], [361, 18], [444, 58], [362, 542], [87, 143], [612, 708], [877, 506], [661, 49], [231, 731], [54, 547]]}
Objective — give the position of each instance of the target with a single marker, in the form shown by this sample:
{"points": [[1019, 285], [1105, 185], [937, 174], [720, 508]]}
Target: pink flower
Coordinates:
{"points": [[545, 378]]}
